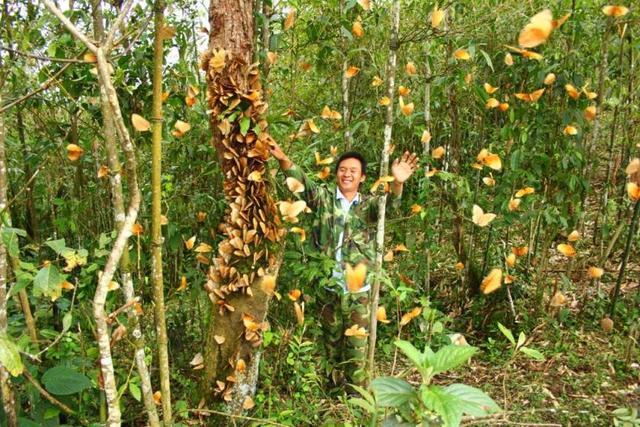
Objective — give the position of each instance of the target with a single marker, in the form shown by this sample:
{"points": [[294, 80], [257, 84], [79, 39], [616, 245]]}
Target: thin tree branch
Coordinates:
{"points": [[22, 190], [52, 399], [108, 43], [44, 86], [43, 58], [72, 28]]}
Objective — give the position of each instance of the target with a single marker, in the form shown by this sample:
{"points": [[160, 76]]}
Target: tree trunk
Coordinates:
{"points": [[248, 255], [384, 170], [346, 111], [117, 198], [8, 397], [156, 212]]}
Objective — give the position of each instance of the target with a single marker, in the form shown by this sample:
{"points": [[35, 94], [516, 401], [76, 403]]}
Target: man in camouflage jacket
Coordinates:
{"points": [[342, 223]]}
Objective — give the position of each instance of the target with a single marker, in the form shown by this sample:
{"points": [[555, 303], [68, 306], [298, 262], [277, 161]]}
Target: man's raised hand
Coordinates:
{"points": [[404, 166], [281, 157]]}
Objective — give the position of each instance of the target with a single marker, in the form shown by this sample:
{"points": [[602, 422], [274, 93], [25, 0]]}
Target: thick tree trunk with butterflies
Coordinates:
{"points": [[241, 278]]}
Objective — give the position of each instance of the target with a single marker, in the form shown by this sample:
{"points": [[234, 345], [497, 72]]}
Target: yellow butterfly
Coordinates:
{"points": [[566, 250], [480, 218], [355, 276], [492, 282], [537, 31], [530, 97], [291, 210]]}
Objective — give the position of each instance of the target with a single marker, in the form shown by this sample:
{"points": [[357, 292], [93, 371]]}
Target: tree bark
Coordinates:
{"points": [[100, 296], [115, 178], [249, 254], [346, 111], [8, 396], [156, 212], [384, 170]]}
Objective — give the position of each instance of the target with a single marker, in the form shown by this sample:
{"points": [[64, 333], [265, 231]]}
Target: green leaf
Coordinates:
{"points": [[25, 422], [57, 245], [62, 380], [364, 393], [534, 354], [135, 391], [473, 401], [362, 404], [451, 356], [411, 352], [66, 321], [446, 405], [103, 240], [51, 412], [393, 420], [10, 240], [507, 333], [437, 327], [521, 339], [391, 392], [487, 58], [23, 279], [10, 356], [245, 122], [47, 280]]}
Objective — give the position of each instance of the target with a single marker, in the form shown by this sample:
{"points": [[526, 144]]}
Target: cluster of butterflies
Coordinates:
{"points": [[535, 33]]}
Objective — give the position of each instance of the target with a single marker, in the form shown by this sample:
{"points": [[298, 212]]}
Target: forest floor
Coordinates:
{"points": [[587, 374], [584, 379]]}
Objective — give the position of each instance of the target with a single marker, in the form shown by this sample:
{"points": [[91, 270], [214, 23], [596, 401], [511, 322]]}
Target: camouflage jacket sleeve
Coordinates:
{"points": [[392, 205], [313, 193]]}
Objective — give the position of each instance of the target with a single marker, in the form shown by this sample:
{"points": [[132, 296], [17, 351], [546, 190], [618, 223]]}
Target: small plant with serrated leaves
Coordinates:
{"points": [[626, 417], [427, 404], [519, 347]]}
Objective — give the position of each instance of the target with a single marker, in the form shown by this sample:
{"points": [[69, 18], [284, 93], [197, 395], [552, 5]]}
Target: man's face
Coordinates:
{"points": [[349, 175]]}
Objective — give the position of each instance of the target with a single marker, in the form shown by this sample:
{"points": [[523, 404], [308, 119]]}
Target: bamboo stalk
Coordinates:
{"points": [[384, 168], [426, 150], [156, 212], [625, 257]]}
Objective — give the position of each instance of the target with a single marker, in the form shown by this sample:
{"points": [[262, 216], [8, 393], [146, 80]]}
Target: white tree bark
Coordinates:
{"points": [[384, 170]]}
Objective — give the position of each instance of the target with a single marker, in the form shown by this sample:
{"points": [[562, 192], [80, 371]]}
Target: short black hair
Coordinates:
{"points": [[353, 155]]}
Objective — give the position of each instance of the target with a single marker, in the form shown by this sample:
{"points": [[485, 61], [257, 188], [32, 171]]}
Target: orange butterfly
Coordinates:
{"points": [[530, 97]]}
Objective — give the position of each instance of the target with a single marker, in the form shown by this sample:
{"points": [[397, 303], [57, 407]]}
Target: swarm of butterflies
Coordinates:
{"points": [[535, 33]]}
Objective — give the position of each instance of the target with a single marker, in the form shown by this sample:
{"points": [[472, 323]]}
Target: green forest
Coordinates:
{"points": [[319, 213]]}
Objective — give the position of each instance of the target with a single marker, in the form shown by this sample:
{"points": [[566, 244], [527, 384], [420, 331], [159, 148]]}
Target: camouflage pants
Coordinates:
{"points": [[346, 355]]}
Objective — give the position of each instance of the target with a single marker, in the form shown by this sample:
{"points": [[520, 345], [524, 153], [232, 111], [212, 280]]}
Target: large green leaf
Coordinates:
{"points": [[47, 280], [10, 356], [446, 405], [474, 401], [57, 245], [391, 392], [10, 240], [411, 352], [451, 356], [62, 380]]}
